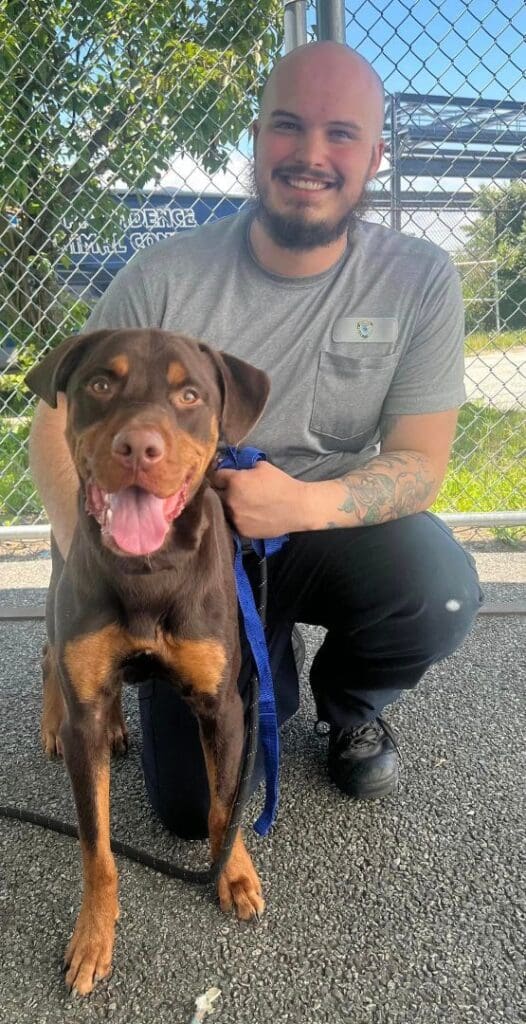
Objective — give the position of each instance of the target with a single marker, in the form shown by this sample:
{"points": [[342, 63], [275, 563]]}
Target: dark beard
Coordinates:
{"points": [[291, 232]]}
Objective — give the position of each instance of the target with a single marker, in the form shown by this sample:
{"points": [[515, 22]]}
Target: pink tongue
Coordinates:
{"points": [[138, 524]]}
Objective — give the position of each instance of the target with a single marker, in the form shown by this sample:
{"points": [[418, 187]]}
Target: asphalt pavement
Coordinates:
{"points": [[405, 911]]}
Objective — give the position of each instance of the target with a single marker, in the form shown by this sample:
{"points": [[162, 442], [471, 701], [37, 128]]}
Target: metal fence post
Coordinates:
{"points": [[330, 16], [295, 24], [396, 213]]}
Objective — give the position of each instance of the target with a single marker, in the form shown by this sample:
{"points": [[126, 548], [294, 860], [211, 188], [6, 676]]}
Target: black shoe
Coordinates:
{"points": [[363, 761]]}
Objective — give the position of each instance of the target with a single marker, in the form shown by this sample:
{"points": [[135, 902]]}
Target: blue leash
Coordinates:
{"points": [[246, 458]]}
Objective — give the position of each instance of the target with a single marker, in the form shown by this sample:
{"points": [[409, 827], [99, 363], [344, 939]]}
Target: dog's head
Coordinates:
{"points": [[146, 410]]}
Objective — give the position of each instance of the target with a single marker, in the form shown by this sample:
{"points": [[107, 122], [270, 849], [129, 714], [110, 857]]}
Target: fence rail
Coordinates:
{"points": [[112, 108]]}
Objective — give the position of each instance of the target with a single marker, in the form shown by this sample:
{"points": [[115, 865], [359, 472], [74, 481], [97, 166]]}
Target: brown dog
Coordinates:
{"points": [[150, 571]]}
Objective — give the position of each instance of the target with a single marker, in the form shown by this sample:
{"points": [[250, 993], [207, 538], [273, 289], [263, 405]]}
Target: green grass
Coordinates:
{"points": [[17, 499], [487, 471], [481, 341]]}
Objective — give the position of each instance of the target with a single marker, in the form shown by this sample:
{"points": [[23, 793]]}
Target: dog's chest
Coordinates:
{"points": [[188, 632]]}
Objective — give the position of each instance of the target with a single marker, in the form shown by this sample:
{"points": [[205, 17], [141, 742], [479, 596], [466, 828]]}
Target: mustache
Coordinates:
{"points": [[301, 171]]}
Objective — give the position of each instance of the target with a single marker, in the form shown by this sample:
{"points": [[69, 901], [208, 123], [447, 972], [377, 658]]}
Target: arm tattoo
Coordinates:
{"points": [[392, 485]]}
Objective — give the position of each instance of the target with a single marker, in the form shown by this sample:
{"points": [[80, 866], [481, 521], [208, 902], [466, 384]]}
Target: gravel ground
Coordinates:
{"points": [[404, 911]]}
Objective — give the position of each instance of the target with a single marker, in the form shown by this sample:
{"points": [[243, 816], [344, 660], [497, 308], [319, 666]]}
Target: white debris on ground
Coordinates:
{"points": [[204, 1005]]}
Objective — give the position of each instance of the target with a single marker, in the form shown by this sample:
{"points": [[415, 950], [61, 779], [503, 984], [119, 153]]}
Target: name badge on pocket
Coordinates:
{"points": [[372, 329]]}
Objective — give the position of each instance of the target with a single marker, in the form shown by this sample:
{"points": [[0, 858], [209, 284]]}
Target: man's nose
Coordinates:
{"points": [[311, 150]]}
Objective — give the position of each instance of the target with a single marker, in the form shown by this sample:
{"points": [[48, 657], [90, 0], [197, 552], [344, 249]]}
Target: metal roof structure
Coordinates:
{"points": [[443, 137]]}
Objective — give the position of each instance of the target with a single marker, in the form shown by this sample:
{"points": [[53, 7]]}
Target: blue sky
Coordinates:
{"points": [[450, 47], [454, 47]]}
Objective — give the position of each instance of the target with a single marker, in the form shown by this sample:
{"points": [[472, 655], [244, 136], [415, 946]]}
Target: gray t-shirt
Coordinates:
{"points": [[381, 331]]}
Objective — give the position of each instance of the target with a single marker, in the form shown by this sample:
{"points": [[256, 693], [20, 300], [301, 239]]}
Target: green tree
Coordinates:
{"points": [[495, 254], [98, 92]]}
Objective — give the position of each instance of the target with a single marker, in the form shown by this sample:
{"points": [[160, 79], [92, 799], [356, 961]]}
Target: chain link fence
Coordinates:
{"points": [[121, 122]]}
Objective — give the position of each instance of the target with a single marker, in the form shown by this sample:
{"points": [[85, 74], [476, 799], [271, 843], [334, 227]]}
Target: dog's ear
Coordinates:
{"points": [[245, 391], [52, 373]]}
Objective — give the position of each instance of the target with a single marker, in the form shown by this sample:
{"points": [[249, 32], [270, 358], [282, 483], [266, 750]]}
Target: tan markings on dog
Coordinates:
{"points": [[188, 447], [211, 772], [92, 454], [238, 883], [117, 730], [53, 704], [91, 659], [176, 374], [89, 952], [214, 434], [103, 865], [120, 365], [200, 663]]}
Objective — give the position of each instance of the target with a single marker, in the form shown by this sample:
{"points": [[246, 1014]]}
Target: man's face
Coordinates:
{"points": [[316, 146]]}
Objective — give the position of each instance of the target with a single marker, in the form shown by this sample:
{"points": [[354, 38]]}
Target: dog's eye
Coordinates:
{"points": [[187, 396], [100, 386]]}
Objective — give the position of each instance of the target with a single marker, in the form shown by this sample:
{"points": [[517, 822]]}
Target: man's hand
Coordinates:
{"points": [[403, 479], [263, 501]]}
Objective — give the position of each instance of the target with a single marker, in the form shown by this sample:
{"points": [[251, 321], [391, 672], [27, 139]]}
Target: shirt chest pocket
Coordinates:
{"points": [[348, 397]]}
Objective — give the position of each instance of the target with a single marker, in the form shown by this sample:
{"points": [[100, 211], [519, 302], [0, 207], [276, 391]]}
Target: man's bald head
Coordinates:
{"points": [[329, 61], [317, 143]]}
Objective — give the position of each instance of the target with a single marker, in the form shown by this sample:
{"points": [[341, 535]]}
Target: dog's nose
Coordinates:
{"points": [[137, 447]]}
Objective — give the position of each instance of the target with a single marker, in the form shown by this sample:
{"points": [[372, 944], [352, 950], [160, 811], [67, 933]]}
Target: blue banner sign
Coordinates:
{"points": [[152, 217]]}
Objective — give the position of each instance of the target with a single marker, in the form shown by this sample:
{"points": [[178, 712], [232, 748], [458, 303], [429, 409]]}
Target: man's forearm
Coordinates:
{"points": [[390, 486], [53, 473]]}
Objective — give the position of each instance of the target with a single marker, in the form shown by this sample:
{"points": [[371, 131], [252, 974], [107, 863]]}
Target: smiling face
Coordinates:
{"points": [[317, 144]]}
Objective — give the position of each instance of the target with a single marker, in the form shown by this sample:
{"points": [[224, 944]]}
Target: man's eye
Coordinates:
{"points": [[341, 133], [286, 125]]}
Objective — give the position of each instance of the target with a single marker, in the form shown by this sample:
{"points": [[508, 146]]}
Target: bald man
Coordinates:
{"points": [[361, 331]]}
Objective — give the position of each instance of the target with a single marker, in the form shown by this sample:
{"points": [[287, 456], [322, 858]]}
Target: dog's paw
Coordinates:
{"points": [[239, 886], [117, 731], [53, 709], [118, 738], [88, 956], [51, 742]]}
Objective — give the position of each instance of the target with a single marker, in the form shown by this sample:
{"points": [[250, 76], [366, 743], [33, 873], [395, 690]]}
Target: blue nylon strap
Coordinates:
{"points": [[245, 458]]}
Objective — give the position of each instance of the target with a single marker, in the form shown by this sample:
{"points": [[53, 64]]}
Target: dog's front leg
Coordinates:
{"points": [[222, 741], [84, 739], [53, 704]]}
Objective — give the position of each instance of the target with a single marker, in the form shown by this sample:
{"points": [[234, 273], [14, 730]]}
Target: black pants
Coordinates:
{"points": [[394, 598]]}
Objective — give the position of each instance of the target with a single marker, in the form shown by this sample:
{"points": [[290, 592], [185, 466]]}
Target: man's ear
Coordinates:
{"points": [[376, 159], [244, 391], [52, 373]]}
